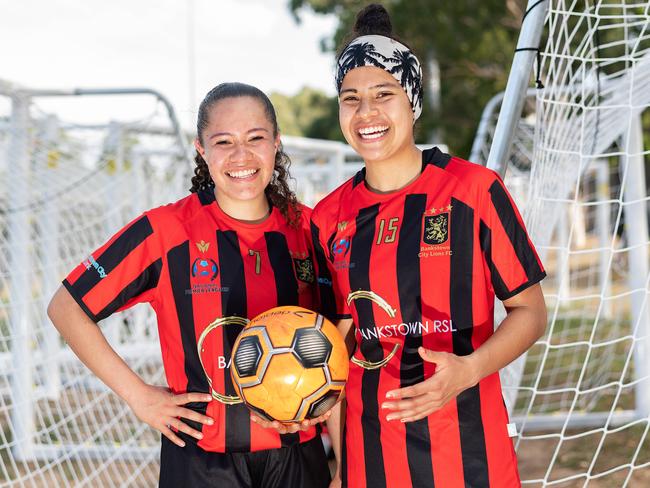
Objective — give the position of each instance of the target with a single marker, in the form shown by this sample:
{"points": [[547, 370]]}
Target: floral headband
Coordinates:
{"points": [[387, 54]]}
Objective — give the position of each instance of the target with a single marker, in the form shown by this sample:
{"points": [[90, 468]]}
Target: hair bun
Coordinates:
{"points": [[373, 19]]}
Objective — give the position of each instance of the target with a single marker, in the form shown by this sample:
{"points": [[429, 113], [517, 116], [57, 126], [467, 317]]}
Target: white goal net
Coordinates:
{"points": [[581, 396], [65, 187]]}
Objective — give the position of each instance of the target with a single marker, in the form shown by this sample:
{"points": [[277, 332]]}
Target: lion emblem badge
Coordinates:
{"points": [[304, 270], [436, 228]]}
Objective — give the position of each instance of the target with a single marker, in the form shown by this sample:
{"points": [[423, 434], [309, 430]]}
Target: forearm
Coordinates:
{"points": [[89, 344], [335, 430], [524, 324]]}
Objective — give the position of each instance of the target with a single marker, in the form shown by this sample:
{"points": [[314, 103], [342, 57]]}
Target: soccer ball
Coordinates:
{"points": [[289, 364]]}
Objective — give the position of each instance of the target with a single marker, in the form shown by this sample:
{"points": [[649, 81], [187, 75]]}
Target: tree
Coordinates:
{"points": [[472, 41], [308, 113]]}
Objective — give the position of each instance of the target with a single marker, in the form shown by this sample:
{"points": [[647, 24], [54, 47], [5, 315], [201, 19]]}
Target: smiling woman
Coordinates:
{"points": [[240, 153], [430, 239], [225, 253]]}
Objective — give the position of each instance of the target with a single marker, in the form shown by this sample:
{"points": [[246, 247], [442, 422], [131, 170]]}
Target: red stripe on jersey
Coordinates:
{"points": [[170, 339], [501, 455], [76, 273], [125, 272], [355, 457], [259, 283], [446, 450]]}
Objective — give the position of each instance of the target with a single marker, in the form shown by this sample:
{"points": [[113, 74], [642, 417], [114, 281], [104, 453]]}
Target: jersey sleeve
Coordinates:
{"points": [[509, 253], [332, 303], [122, 272]]}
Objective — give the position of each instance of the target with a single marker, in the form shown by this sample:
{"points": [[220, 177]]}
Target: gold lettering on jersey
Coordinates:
{"points": [[203, 246], [258, 260], [342, 225], [391, 231]]}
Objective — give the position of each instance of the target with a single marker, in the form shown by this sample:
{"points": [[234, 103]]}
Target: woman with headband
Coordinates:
{"points": [[411, 253], [238, 245]]}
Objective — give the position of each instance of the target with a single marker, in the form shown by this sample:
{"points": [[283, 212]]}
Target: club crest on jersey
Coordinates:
{"points": [[304, 269], [340, 247], [436, 228]]}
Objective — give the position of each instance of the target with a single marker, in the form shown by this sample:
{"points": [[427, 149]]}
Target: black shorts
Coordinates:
{"points": [[301, 466]]}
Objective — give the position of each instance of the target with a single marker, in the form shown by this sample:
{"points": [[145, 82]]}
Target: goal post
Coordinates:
{"points": [[580, 397], [65, 187]]}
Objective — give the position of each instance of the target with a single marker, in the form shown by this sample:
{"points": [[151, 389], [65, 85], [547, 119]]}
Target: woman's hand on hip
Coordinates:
{"points": [[163, 410]]}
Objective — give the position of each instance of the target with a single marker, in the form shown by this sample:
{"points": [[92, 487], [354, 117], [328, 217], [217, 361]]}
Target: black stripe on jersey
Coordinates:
{"points": [[359, 177], [73, 292], [418, 440], [147, 280], [325, 285], [360, 252], [330, 241], [286, 284], [206, 197], [114, 254], [233, 302], [286, 287], [178, 259], [500, 288], [470, 422], [515, 231], [436, 157]]}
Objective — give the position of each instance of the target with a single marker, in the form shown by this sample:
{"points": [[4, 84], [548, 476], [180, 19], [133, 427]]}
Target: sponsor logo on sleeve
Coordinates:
{"points": [[90, 262]]}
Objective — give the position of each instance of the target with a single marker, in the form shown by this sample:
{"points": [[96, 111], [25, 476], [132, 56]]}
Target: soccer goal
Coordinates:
{"points": [[65, 187], [581, 396]]}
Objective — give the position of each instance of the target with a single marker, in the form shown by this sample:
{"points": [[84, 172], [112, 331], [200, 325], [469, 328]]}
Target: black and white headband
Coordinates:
{"points": [[387, 54]]}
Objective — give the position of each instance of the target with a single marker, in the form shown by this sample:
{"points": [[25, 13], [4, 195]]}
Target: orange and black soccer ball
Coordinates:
{"points": [[289, 364]]}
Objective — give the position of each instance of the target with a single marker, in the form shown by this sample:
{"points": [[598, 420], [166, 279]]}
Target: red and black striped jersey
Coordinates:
{"points": [[193, 264], [421, 267]]}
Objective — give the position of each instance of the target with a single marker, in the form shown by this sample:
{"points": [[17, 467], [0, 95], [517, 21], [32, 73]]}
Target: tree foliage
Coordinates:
{"points": [[472, 41], [309, 113]]}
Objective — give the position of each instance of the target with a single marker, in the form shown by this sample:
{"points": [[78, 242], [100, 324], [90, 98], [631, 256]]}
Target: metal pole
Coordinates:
{"points": [[49, 219], [603, 224], [187, 151], [529, 38], [636, 232], [19, 226]]}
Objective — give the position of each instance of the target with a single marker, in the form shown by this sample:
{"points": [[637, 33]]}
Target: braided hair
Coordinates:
{"points": [[277, 191]]}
